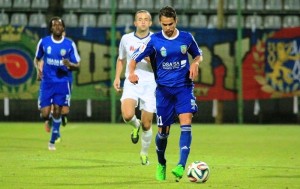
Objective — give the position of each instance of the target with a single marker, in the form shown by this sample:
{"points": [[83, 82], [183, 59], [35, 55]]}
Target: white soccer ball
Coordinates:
{"points": [[198, 171]]}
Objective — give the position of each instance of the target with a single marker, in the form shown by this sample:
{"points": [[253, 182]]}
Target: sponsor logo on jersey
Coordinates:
{"points": [[54, 62], [170, 65], [131, 48], [183, 49], [163, 52]]}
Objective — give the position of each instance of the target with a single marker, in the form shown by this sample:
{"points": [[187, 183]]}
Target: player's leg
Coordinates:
{"points": [[64, 120], [161, 142], [64, 113], [66, 109], [164, 118], [146, 136], [128, 113], [129, 102], [60, 99], [147, 103], [184, 144], [56, 121], [185, 107], [48, 122], [45, 115], [44, 103]]}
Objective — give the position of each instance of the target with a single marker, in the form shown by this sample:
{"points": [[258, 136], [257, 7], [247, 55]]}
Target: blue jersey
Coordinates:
{"points": [[169, 57], [53, 52]]}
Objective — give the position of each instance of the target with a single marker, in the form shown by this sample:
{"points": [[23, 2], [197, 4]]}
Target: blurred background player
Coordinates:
{"points": [[59, 55], [174, 76], [142, 94], [65, 109]]}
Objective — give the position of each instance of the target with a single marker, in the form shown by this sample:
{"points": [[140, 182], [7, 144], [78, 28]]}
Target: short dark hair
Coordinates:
{"points": [[55, 18], [168, 12]]}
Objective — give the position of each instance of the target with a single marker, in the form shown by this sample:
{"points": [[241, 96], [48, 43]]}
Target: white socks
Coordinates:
{"points": [[146, 141], [134, 122]]}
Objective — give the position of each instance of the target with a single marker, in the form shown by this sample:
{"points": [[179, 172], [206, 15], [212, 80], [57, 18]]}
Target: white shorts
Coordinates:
{"points": [[143, 93]]}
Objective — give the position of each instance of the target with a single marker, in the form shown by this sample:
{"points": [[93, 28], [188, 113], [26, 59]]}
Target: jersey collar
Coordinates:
{"points": [[55, 41], [139, 37], [171, 38]]}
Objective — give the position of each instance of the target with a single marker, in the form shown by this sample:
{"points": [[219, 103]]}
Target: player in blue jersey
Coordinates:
{"points": [[65, 109], [59, 55], [168, 51]]}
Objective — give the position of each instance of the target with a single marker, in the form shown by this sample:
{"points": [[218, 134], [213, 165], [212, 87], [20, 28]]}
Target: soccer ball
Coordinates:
{"points": [[198, 171]]}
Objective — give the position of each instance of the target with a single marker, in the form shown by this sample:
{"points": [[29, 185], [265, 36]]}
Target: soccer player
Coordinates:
{"points": [[59, 55], [168, 51], [65, 109], [142, 94]]}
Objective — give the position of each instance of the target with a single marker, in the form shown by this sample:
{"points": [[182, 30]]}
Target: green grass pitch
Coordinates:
{"points": [[98, 155]]}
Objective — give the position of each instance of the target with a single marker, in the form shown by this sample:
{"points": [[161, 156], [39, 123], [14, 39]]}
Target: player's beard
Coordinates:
{"points": [[169, 33]]}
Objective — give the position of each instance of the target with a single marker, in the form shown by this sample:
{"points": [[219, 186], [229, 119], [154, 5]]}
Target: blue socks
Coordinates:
{"points": [[55, 129], [161, 141], [185, 143]]}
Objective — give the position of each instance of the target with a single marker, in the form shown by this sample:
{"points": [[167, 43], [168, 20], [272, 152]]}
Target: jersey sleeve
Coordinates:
{"points": [[194, 49], [122, 49], [146, 49], [39, 50], [74, 55]]}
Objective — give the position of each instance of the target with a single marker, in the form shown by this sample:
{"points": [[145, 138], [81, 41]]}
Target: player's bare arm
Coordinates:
{"points": [[133, 78], [70, 65], [194, 68], [119, 69], [39, 68]]}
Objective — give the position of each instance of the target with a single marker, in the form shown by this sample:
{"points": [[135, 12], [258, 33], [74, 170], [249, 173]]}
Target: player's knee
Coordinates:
{"points": [[146, 128], [65, 110], [127, 117], [44, 117], [163, 133]]}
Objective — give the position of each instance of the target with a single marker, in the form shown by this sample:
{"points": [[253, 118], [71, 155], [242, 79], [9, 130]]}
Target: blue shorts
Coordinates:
{"points": [[172, 101], [54, 93]]}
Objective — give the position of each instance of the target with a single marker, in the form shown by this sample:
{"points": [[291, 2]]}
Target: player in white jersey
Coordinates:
{"points": [[142, 94]]}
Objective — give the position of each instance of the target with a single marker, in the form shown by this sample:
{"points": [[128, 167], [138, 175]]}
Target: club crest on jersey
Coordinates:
{"points": [[183, 49], [163, 52], [49, 50], [63, 52]]}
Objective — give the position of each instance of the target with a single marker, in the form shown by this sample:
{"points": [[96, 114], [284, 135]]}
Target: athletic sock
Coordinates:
{"points": [[55, 129], [146, 141], [161, 145], [185, 143], [134, 122]]}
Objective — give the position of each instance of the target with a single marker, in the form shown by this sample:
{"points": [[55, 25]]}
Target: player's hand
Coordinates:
{"points": [[133, 78], [117, 85], [39, 74], [194, 71], [147, 59], [66, 62]]}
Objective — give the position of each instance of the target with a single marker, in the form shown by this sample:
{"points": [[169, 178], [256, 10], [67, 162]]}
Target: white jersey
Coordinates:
{"points": [[128, 44]]}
